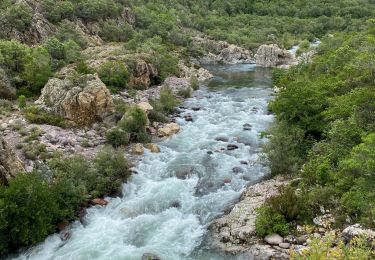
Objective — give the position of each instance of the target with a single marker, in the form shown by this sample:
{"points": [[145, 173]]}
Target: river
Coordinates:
{"points": [[175, 194]]}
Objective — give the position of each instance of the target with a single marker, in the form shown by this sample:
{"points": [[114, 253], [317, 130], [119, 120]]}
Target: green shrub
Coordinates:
{"points": [[114, 74], [19, 16], [94, 10], [57, 11], [269, 222], [113, 32], [134, 122], [156, 116], [5, 106], [117, 137], [185, 93], [285, 149], [37, 69], [194, 83], [29, 211], [13, 55], [67, 31], [22, 102], [36, 115], [167, 101], [82, 68]]}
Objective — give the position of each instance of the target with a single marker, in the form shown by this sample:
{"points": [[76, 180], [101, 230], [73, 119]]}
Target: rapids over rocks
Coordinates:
{"points": [[199, 173]]}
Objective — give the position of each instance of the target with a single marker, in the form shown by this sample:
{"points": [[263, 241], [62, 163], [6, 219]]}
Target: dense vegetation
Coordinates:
{"points": [[325, 134], [34, 203]]}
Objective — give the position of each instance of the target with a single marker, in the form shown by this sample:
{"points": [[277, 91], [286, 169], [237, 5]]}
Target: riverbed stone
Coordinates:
{"points": [[169, 129], [273, 239], [222, 139], [137, 149], [99, 201], [149, 256], [153, 148], [232, 147], [284, 245]]}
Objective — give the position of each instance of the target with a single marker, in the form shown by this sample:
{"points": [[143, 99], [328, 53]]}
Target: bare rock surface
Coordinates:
{"points": [[10, 164], [235, 232], [83, 103], [271, 55]]}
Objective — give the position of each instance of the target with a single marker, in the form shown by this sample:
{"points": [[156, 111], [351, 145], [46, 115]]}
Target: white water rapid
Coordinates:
{"points": [[168, 205]]}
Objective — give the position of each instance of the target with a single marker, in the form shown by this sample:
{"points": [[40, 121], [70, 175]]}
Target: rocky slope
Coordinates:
{"points": [[10, 164]]}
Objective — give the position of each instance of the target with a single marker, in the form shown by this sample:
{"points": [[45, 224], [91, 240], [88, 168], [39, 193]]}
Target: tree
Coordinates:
{"points": [[37, 68]]}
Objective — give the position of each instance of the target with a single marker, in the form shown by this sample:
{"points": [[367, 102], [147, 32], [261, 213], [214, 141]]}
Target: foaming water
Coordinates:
{"points": [[168, 205]]}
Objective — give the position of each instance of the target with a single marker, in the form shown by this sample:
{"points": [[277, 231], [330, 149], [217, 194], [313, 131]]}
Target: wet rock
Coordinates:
{"points": [[247, 127], [153, 148], [244, 140], [231, 147], [188, 118], [273, 239], [227, 180], [237, 170], [148, 256], [196, 108], [168, 130], [209, 152], [185, 172], [244, 162], [176, 204], [100, 202], [222, 139], [137, 149]]}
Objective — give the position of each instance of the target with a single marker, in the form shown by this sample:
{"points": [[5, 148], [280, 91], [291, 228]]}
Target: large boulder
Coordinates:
{"points": [[83, 100], [6, 89], [10, 164], [272, 55]]}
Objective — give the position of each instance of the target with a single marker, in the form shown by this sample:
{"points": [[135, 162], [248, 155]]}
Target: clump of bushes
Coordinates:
{"points": [[167, 101], [185, 92], [34, 203], [114, 74], [37, 115], [132, 127]]}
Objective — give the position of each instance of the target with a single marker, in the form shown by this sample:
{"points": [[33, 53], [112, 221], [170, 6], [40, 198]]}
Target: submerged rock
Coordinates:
{"points": [[153, 148], [100, 202], [148, 256], [232, 147]]}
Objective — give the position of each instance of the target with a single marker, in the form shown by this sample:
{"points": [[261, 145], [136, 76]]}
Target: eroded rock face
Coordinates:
{"points": [[143, 74], [10, 164], [6, 89], [82, 101], [272, 55], [200, 73]]}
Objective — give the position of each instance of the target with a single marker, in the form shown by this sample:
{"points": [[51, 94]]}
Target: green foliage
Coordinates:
{"points": [[37, 69], [21, 101], [167, 101], [57, 11], [94, 10], [13, 55], [134, 122], [185, 92], [117, 137], [67, 31], [194, 83], [28, 211], [285, 148], [38, 116], [114, 74], [62, 52], [19, 16], [330, 104], [270, 222], [112, 32]]}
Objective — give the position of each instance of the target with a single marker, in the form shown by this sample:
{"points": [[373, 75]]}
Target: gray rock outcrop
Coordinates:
{"points": [[10, 164], [272, 55], [83, 100]]}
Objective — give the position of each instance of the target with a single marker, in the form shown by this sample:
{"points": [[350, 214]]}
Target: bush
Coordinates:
{"points": [[13, 55], [167, 101], [270, 222], [194, 83], [285, 149], [19, 16], [67, 31], [134, 122], [94, 10], [113, 32], [36, 115], [156, 116], [29, 212], [37, 69], [114, 74], [117, 137], [57, 11], [185, 93]]}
